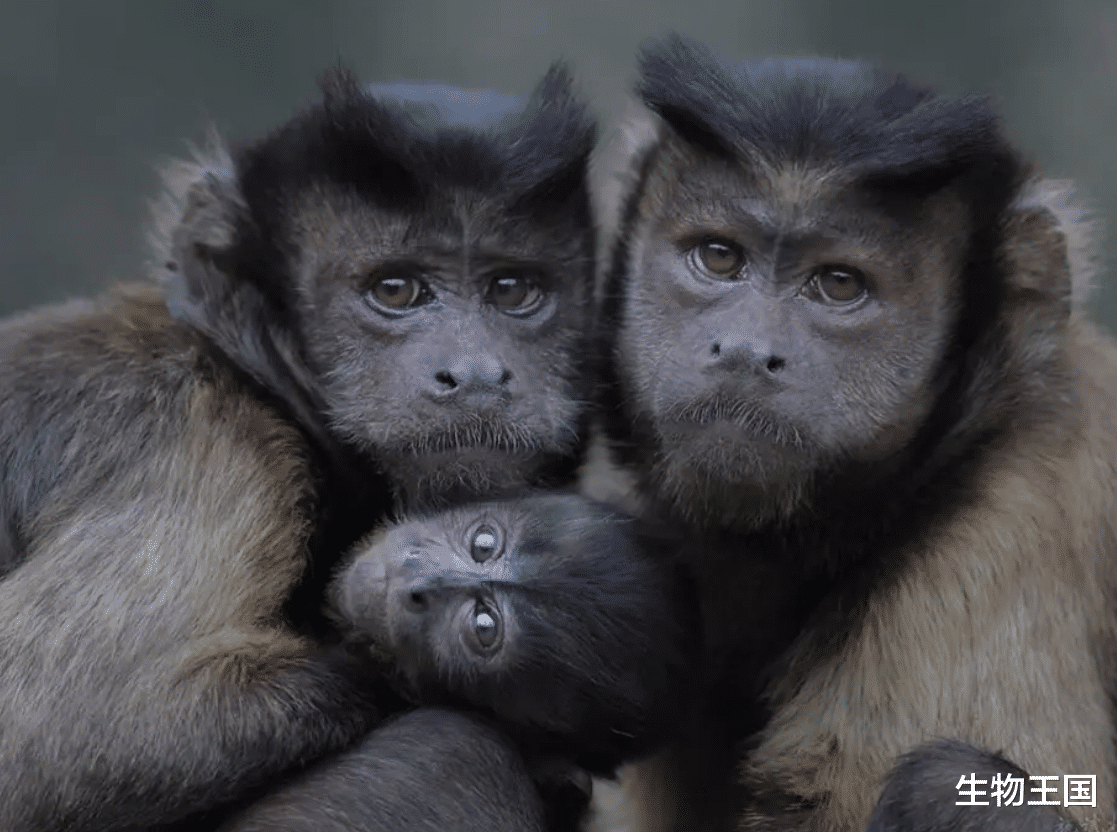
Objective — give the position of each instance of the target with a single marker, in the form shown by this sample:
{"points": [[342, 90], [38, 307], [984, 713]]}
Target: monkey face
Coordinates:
{"points": [[778, 322], [474, 320], [430, 594], [414, 287], [551, 612]]}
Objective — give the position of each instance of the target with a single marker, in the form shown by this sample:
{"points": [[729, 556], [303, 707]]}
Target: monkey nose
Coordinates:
{"points": [[415, 600], [746, 354], [472, 373]]}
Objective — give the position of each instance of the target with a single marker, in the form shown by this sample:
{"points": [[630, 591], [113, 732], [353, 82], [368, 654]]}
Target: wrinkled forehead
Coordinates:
{"points": [[688, 191], [344, 226], [688, 182]]}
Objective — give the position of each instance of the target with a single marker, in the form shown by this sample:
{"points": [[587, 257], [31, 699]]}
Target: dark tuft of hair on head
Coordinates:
{"points": [[404, 155], [557, 135], [886, 129]]}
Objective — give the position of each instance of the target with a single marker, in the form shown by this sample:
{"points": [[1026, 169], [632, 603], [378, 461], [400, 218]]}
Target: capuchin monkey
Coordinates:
{"points": [[380, 301], [560, 622], [849, 356]]}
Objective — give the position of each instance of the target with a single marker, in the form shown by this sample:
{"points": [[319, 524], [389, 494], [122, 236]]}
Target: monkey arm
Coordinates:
{"points": [[430, 769], [145, 671]]}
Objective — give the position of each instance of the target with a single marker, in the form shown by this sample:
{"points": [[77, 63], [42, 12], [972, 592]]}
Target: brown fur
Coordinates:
{"points": [[202, 499], [856, 609], [1000, 632], [183, 460]]}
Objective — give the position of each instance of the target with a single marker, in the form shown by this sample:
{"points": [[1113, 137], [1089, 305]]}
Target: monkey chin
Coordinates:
{"points": [[721, 474], [438, 478]]}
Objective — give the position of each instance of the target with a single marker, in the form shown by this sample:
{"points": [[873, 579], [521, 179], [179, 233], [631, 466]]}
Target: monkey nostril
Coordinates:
{"points": [[715, 349], [505, 377], [446, 379], [775, 364], [416, 601]]}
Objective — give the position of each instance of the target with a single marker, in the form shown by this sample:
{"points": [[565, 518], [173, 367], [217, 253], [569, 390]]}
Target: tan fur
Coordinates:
{"points": [[167, 588], [614, 174], [209, 170], [174, 454], [994, 635], [1000, 628]]}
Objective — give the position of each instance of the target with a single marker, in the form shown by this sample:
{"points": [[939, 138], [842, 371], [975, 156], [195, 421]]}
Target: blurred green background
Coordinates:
{"points": [[94, 93]]}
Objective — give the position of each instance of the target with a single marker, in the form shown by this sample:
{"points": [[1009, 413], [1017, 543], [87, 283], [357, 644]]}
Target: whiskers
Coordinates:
{"points": [[423, 436], [747, 415], [473, 431]]}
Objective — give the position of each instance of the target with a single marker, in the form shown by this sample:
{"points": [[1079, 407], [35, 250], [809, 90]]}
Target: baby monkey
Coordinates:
{"points": [[569, 623], [570, 630]]}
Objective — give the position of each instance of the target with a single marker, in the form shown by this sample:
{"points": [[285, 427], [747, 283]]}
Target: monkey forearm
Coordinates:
{"points": [[144, 668], [146, 741], [428, 770]]}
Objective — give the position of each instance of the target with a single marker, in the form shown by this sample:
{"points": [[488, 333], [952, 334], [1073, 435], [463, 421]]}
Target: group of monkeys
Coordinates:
{"points": [[293, 534]]}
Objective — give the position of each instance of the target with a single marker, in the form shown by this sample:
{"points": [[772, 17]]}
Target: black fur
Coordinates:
{"points": [[873, 487], [862, 118], [594, 666], [428, 771], [922, 795], [185, 459], [600, 642]]}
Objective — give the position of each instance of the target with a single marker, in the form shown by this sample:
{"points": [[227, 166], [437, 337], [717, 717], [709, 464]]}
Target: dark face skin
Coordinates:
{"points": [[473, 318], [550, 612], [417, 290], [428, 594], [779, 323]]}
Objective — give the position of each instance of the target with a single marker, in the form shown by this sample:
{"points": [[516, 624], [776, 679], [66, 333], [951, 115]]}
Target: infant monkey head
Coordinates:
{"points": [[572, 625]]}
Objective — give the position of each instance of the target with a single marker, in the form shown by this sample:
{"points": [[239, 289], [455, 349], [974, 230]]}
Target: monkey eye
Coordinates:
{"points": [[485, 543], [721, 259], [517, 291], [839, 285], [484, 624], [399, 292]]}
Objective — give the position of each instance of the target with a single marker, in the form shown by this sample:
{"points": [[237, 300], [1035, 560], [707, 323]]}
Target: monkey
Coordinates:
{"points": [[364, 308], [847, 353], [573, 629], [572, 625]]}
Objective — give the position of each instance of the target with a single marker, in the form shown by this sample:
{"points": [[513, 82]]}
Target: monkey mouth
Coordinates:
{"points": [[731, 472], [714, 416], [488, 436]]}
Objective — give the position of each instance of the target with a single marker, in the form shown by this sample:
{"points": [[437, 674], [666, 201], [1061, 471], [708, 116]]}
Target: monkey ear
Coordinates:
{"points": [[1034, 254], [194, 233], [1071, 238], [198, 194], [1021, 361], [1037, 298], [1037, 305], [195, 238], [200, 210]]}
